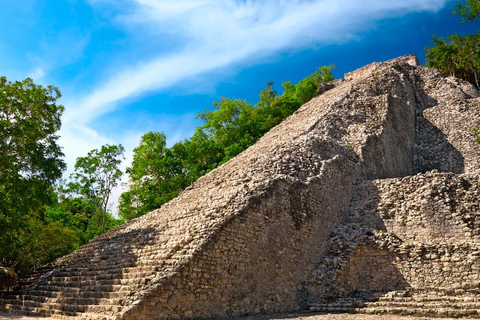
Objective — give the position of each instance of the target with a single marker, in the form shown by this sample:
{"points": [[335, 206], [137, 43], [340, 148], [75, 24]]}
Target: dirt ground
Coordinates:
{"points": [[331, 316], [288, 316]]}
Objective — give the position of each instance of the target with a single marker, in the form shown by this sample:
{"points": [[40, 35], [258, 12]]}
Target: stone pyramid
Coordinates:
{"points": [[364, 200]]}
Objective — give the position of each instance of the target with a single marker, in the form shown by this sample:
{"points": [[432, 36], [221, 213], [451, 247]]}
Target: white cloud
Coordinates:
{"points": [[221, 33], [37, 74], [77, 140]]}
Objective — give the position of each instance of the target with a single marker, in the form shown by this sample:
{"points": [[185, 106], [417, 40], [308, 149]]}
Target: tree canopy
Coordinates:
{"points": [[470, 11], [96, 175], [30, 164], [458, 56], [37, 222]]}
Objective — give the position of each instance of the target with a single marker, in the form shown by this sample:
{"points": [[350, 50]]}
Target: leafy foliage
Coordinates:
{"points": [[96, 175], [156, 175], [470, 11], [30, 163], [44, 241], [458, 56], [81, 216], [159, 174]]}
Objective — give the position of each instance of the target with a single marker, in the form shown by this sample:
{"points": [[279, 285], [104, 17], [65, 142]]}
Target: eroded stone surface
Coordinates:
{"points": [[327, 204]]}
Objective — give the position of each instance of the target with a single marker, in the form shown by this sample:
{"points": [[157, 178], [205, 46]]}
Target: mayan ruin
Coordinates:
{"points": [[365, 200]]}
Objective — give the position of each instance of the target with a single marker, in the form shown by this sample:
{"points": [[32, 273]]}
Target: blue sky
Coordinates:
{"points": [[126, 67]]}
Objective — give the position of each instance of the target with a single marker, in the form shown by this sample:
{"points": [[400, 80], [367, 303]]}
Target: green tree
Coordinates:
{"points": [[234, 125], [200, 154], [30, 163], [272, 109], [156, 176], [442, 56], [468, 57], [458, 56], [96, 175], [231, 126], [470, 11], [43, 242], [76, 214]]}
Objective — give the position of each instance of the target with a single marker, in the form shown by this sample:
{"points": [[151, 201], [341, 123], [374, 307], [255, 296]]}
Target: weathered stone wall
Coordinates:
{"points": [[448, 110], [420, 232], [432, 207], [371, 269], [258, 259], [385, 96], [436, 217]]}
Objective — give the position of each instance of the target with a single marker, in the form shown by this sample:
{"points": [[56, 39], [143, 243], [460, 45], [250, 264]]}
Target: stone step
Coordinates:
{"points": [[81, 290], [92, 266], [427, 298], [26, 280], [112, 266], [108, 268], [58, 314], [455, 304], [62, 294], [436, 312], [51, 308], [83, 316], [80, 293], [101, 282], [105, 277], [106, 271], [20, 299], [149, 247], [99, 275], [425, 303]]}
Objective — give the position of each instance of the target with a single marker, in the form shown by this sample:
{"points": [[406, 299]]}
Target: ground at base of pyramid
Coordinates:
{"points": [[289, 316]]}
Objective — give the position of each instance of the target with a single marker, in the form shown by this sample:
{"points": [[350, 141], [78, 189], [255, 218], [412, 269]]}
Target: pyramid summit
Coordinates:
{"points": [[363, 200]]}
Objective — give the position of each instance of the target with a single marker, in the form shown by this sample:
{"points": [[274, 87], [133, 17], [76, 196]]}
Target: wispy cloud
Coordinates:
{"points": [[37, 74], [217, 34], [46, 54]]}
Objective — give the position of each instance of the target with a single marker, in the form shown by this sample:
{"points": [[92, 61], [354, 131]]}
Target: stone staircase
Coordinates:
{"points": [[433, 303], [92, 292], [98, 280]]}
